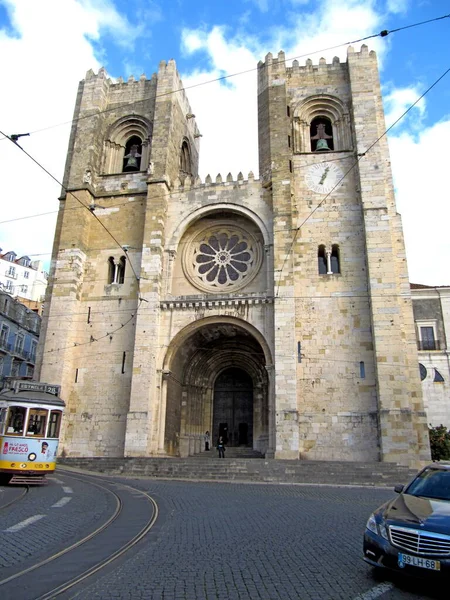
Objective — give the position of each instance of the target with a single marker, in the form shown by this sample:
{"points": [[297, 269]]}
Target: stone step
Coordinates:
{"points": [[249, 469]]}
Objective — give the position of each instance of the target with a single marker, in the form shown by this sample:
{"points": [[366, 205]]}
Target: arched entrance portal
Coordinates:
{"points": [[233, 407], [215, 379]]}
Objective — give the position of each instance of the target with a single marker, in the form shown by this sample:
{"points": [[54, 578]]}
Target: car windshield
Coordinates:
{"points": [[431, 483]]}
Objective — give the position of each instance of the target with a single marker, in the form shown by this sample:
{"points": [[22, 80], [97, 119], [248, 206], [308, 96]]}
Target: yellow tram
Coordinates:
{"points": [[30, 420]]}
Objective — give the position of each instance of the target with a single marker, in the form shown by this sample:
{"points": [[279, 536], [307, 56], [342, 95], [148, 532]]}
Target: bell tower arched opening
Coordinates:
{"points": [[215, 380]]}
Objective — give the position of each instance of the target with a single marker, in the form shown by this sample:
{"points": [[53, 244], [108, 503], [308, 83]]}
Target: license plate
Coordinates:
{"points": [[416, 561]]}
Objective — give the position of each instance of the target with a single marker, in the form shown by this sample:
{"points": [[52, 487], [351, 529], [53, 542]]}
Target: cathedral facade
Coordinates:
{"points": [[274, 312]]}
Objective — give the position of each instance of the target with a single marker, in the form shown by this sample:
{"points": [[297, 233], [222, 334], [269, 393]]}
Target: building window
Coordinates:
{"points": [[33, 350], [335, 262], [185, 159], [321, 132], [328, 262], [438, 377], [1, 365], [8, 286], [4, 334], [23, 289], [121, 270], [30, 371], [11, 272], [133, 154], [427, 338], [116, 271], [111, 270], [10, 256], [15, 368], [322, 260], [19, 343], [423, 371], [362, 370], [26, 275]]}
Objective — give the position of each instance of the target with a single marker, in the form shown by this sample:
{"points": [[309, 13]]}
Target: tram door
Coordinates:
{"points": [[233, 408]]}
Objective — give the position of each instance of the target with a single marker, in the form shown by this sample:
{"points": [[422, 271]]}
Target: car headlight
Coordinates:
{"points": [[377, 528], [383, 530], [372, 524]]}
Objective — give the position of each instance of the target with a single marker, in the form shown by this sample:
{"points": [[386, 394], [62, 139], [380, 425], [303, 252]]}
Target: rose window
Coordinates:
{"points": [[223, 258]]}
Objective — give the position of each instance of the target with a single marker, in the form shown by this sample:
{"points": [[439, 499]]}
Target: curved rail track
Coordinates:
{"points": [[12, 495], [133, 517]]}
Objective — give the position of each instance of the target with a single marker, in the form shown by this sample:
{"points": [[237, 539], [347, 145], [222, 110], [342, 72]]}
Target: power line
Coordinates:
{"points": [[359, 157], [382, 34], [76, 198]]}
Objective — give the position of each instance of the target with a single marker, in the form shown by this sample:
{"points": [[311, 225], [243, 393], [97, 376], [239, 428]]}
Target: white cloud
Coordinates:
{"points": [[397, 6], [398, 101], [227, 113], [46, 61], [423, 200]]}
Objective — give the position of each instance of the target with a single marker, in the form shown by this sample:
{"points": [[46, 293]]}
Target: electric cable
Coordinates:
{"points": [[76, 198], [383, 33], [359, 157]]}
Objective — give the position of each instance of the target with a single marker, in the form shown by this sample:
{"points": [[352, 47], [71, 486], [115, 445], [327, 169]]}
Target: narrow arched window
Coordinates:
{"points": [[335, 259], [321, 133], [121, 270], [322, 260], [111, 270], [185, 159], [133, 154]]}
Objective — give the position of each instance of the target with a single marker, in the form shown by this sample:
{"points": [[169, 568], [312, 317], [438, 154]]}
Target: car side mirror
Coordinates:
{"points": [[399, 488]]}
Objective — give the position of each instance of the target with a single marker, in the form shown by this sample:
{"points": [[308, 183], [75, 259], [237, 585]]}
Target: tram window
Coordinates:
{"points": [[54, 424], [37, 422], [16, 420], [3, 412]]}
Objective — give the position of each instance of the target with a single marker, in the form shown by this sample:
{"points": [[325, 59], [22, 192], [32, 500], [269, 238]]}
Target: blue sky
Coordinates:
{"points": [[48, 45]]}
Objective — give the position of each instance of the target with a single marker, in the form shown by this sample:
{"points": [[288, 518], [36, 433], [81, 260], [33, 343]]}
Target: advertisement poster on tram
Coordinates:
{"points": [[21, 450]]}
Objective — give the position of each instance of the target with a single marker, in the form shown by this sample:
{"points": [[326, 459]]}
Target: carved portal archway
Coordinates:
{"points": [[205, 368]]}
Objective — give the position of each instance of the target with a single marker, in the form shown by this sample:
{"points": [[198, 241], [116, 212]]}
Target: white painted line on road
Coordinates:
{"points": [[56, 480], [67, 490], [24, 524], [62, 502], [375, 592]]}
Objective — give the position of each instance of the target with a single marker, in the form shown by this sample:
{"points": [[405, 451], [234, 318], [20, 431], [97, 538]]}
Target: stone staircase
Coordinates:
{"points": [[208, 467]]}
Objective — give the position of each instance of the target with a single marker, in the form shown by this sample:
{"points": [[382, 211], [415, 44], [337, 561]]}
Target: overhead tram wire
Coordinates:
{"points": [[383, 33], [359, 157], [142, 199], [74, 196]]}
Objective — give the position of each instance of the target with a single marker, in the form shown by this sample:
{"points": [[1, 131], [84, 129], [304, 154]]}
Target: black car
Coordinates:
{"points": [[411, 533]]}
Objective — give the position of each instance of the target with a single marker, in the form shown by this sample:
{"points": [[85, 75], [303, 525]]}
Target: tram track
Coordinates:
{"points": [[15, 495], [71, 566]]}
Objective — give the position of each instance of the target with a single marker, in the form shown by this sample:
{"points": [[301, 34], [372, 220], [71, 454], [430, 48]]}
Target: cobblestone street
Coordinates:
{"points": [[231, 541]]}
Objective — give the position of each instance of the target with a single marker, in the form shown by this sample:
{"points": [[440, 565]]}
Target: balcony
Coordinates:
{"points": [[428, 345], [11, 275]]}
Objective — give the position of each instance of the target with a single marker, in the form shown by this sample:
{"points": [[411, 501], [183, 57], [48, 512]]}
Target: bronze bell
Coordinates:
{"points": [[132, 159], [322, 145]]}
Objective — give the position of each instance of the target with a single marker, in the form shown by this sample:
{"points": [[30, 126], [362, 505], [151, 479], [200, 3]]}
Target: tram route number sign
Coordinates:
{"points": [[34, 386]]}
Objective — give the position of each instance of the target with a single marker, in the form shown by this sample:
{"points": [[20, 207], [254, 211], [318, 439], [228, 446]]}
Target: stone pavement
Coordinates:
{"points": [[247, 542]]}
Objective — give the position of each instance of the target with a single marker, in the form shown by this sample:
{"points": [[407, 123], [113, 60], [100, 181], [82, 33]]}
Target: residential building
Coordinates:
{"points": [[22, 277], [19, 335], [431, 306]]}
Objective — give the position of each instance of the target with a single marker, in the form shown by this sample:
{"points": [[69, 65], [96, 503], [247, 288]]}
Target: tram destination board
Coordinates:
{"points": [[35, 386]]}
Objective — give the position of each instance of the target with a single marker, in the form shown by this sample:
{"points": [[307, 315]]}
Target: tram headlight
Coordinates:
{"points": [[32, 456]]}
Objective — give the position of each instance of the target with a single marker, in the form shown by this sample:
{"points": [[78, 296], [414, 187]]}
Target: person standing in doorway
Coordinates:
{"points": [[207, 441], [221, 447]]}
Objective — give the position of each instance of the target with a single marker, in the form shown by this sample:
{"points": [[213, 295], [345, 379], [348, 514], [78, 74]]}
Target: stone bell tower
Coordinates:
{"points": [[129, 142], [346, 378]]}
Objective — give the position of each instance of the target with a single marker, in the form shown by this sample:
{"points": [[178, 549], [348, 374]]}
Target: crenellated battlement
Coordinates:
{"points": [[190, 183], [277, 65]]}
